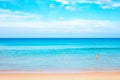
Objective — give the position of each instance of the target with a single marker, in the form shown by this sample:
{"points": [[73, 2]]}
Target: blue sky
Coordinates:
{"points": [[59, 18]]}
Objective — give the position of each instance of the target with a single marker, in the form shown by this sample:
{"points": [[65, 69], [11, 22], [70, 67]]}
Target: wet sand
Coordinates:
{"points": [[61, 76]]}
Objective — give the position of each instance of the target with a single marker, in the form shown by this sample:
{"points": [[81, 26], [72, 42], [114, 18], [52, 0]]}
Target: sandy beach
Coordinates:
{"points": [[62, 76]]}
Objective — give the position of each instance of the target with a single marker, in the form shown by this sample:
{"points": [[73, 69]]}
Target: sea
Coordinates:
{"points": [[59, 54]]}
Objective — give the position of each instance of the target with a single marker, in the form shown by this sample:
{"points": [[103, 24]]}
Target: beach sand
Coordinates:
{"points": [[61, 76]]}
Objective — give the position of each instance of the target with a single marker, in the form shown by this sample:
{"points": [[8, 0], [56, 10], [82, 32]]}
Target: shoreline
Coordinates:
{"points": [[62, 76], [84, 70]]}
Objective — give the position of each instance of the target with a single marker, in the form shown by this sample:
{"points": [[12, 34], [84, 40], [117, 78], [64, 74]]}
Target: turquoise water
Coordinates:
{"points": [[59, 54]]}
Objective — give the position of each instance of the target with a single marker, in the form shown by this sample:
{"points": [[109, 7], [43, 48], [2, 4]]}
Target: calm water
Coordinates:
{"points": [[59, 54]]}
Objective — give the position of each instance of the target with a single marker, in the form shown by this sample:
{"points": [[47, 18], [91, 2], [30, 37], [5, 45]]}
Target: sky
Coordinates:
{"points": [[59, 18]]}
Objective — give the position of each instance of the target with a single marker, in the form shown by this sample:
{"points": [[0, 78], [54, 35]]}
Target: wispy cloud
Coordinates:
{"points": [[55, 17], [66, 26], [105, 4], [71, 8], [12, 23], [8, 15]]}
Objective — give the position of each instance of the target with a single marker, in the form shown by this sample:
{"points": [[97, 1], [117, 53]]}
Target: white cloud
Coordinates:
{"points": [[66, 26], [71, 8], [111, 5], [21, 20], [63, 1], [84, 1], [105, 4], [15, 22], [116, 4], [8, 15]]}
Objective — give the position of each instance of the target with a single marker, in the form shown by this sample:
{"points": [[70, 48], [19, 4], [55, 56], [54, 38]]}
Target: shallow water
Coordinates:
{"points": [[59, 54]]}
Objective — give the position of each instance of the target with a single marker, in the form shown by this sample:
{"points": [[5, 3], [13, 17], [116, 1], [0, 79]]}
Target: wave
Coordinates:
{"points": [[56, 47]]}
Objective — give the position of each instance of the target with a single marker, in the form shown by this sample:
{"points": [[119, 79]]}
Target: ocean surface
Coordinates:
{"points": [[59, 54]]}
